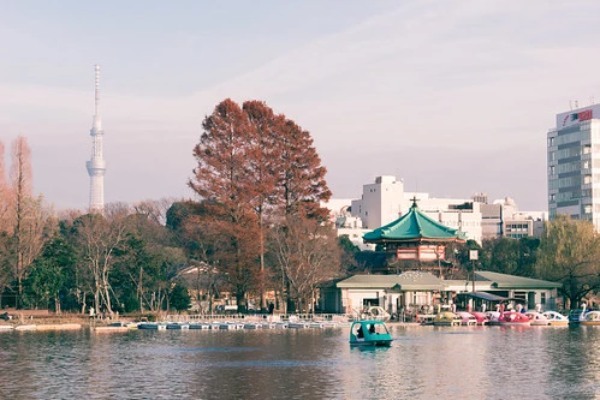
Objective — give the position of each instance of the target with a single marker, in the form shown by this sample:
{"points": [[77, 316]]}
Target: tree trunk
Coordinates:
{"points": [[261, 276], [141, 290], [57, 308]]}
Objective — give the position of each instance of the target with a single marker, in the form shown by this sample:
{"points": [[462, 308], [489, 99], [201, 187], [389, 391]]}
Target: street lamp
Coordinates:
{"points": [[473, 256]]}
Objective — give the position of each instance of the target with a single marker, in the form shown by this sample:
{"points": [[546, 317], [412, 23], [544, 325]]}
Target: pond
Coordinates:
{"points": [[422, 363]]}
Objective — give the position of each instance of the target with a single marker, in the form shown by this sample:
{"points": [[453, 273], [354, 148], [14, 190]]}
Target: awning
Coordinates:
{"points": [[485, 296]]}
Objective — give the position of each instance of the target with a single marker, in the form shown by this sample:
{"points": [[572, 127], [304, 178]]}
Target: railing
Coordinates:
{"points": [[257, 317]]}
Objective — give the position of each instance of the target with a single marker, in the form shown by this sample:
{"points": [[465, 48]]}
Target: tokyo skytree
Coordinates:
{"points": [[97, 166]]}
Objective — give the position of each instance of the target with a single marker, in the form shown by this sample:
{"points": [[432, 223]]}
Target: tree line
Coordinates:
{"points": [[257, 231]]}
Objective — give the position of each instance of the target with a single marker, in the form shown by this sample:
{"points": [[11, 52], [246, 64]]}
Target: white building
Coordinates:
{"points": [[385, 200], [414, 290], [574, 165], [347, 224]]}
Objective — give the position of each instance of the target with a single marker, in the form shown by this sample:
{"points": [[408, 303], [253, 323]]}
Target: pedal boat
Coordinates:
{"points": [[370, 333], [555, 318], [591, 318]]}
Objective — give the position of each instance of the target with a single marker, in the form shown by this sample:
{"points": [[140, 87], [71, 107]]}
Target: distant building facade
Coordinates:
{"points": [[574, 165], [385, 200]]}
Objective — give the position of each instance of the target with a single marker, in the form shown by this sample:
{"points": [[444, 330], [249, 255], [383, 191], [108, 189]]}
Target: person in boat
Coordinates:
{"points": [[359, 333]]}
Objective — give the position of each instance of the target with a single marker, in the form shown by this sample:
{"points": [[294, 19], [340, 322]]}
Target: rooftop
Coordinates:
{"points": [[414, 226]]}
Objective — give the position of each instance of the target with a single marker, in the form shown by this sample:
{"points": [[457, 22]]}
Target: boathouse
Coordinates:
{"points": [[418, 244], [392, 292], [516, 289], [412, 291]]}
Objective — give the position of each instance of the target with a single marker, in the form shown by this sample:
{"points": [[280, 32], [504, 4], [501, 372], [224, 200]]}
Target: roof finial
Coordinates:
{"points": [[414, 200]]}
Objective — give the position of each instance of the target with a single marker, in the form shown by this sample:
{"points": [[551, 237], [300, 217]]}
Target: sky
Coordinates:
{"points": [[454, 97]]}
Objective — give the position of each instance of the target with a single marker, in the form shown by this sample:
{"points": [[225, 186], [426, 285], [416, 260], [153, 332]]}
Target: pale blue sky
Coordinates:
{"points": [[454, 96]]}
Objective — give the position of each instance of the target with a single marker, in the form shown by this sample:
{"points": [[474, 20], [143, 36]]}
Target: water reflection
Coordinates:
{"points": [[423, 362]]}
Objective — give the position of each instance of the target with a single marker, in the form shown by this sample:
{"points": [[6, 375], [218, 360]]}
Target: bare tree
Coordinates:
{"points": [[99, 236], [5, 196], [32, 222], [307, 253], [154, 210], [569, 253]]}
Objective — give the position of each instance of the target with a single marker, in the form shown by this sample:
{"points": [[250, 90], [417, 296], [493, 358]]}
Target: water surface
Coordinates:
{"points": [[423, 363]]}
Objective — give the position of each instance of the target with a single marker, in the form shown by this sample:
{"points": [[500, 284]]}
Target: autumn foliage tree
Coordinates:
{"points": [[221, 179], [255, 168], [5, 227], [27, 223], [5, 195]]}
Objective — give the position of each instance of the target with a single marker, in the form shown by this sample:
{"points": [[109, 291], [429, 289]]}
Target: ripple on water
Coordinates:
{"points": [[491, 363]]}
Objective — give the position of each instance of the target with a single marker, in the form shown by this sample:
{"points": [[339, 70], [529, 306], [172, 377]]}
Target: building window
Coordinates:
{"points": [[543, 298], [520, 297], [586, 164]]}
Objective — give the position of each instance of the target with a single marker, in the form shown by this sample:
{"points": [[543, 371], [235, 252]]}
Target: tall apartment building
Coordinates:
{"points": [[574, 165]]}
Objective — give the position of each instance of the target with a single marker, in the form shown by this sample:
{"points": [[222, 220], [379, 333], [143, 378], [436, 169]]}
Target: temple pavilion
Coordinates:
{"points": [[415, 240]]}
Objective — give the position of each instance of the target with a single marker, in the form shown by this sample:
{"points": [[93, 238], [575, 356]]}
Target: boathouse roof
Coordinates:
{"points": [[409, 280], [505, 281], [414, 226], [485, 281]]}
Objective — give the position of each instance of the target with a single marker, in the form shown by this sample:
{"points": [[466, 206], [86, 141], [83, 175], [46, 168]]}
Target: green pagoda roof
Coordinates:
{"points": [[412, 227]]}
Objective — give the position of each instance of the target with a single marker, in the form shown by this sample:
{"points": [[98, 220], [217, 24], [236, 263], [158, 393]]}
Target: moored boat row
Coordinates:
{"points": [[506, 318], [231, 325]]}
